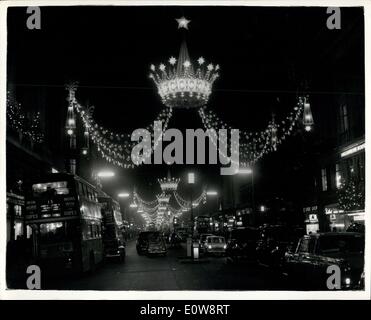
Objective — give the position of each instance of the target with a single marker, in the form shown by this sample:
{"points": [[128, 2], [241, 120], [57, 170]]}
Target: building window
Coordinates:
{"points": [[338, 176], [73, 166], [344, 124], [73, 142], [324, 179], [18, 210]]}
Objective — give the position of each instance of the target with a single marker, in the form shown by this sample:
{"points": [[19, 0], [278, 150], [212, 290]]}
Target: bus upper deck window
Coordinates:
{"points": [[57, 187]]}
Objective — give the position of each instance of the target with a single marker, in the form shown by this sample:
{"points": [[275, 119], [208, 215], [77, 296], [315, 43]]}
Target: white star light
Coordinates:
{"points": [[162, 67], [183, 23], [186, 64], [153, 67], [172, 60], [201, 60], [210, 67]]}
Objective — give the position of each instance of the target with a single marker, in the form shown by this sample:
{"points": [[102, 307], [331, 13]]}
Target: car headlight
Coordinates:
{"points": [[225, 246], [209, 247], [348, 281]]}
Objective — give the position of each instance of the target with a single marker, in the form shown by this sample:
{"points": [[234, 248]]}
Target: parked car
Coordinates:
{"points": [[242, 243], [274, 240], [307, 266], [202, 240], [215, 245], [143, 241], [356, 227]]}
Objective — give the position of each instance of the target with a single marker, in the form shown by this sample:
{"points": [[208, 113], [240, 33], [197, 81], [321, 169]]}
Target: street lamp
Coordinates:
{"points": [[246, 171], [191, 180], [124, 195], [211, 193], [106, 174]]}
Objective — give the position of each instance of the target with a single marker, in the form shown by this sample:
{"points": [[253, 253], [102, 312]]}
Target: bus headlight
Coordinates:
{"points": [[348, 281]]}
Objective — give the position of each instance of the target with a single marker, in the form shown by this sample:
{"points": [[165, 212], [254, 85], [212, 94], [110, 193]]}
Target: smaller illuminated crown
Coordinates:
{"points": [[183, 83], [163, 198], [168, 184]]}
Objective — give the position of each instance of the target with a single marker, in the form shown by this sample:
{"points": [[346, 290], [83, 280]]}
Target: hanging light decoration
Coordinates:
{"points": [[168, 184], [85, 148], [184, 83], [17, 120], [273, 134], [307, 115], [71, 118]]}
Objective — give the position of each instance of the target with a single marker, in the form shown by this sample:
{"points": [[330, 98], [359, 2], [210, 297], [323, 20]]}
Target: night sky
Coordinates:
{"points": [[267, 56]]}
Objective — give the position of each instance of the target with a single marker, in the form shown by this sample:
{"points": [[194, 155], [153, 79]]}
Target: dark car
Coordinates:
{"points": [[356, 227], [143, 241], [307, 266], [242, 244], [114, 248], [150, 242], [274, 240], [202, 240]]}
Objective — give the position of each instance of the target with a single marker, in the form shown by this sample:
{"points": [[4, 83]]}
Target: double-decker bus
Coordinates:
{"points": [[113, 227], [63, 218]]}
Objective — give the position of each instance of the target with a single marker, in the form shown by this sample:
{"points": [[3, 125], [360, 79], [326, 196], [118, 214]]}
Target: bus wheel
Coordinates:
{"points": [[91, 262]]}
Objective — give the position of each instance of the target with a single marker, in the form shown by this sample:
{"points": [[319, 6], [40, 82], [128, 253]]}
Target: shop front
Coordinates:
{"points": [[15, 218], [337, 218], [311, 219]]}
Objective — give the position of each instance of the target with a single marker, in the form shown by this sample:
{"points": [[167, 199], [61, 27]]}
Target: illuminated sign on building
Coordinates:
{"points": [[333, 210], [353, 150]]}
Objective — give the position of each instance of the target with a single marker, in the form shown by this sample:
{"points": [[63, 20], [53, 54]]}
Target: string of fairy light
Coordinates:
{"points": [[160, 209], [254, 145], [116, 147], [17, 120]]}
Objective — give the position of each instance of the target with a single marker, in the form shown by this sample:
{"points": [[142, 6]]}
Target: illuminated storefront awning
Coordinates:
{"points": [[352, 149]]}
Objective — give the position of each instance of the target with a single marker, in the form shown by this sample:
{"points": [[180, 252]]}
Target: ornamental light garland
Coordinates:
{"points": [[17, 120], [184, 83]]}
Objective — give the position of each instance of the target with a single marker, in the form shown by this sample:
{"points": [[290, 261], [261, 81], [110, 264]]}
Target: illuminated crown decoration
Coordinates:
{"points": [[168, 184], [163, 198], [184, 83]]}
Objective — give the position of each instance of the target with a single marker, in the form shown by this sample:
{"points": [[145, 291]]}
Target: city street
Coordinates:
{"points": [[169, 273], [158, 126]]}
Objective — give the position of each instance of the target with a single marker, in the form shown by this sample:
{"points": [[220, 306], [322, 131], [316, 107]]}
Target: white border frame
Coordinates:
{"points": [[178, 295]]}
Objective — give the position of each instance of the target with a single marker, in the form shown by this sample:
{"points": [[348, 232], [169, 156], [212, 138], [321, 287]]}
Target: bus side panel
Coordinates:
{"points": [[91, 247]]}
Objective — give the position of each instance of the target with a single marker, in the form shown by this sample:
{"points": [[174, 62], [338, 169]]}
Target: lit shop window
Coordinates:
{"points": [[338, 176], [18, 230], [324, 179], [28, 232]]}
